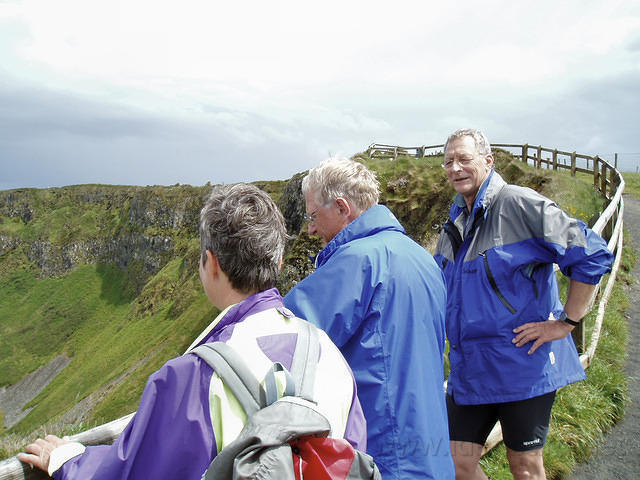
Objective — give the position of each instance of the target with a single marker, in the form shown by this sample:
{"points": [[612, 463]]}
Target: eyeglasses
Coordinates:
{"points": [[463, 162], [311, 218]]}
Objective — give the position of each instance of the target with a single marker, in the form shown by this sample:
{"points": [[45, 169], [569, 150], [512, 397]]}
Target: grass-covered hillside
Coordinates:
{"points": [[632, 181], [99, 274], [106, 277]]}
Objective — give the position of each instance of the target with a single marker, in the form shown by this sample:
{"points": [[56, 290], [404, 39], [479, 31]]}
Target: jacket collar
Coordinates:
{"points": [[370, 222], [485, 197], [236, 313]]}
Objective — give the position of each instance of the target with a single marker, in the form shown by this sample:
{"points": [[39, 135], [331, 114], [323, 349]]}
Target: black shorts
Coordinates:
{"points": [[524, 423]]}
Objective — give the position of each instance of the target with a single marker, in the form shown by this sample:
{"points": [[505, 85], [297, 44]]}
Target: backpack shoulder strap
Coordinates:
{"points": [[233, 371], [231, 368], [305, 360]]}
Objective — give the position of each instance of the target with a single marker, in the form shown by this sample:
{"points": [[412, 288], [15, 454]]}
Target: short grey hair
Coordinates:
{"points": [[243, 227], [343, 178], [482, 143]]}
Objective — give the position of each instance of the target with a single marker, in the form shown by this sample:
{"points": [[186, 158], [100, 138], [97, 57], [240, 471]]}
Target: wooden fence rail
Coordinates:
{"points": [[14, 469], [606, 179]]}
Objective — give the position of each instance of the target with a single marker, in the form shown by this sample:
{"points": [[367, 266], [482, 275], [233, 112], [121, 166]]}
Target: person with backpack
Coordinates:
{"points": [[381, 298], [188, 414]]}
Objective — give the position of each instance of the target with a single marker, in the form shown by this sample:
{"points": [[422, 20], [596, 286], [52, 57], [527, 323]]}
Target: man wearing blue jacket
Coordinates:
{"points": [[510, 348], [381, 298]]}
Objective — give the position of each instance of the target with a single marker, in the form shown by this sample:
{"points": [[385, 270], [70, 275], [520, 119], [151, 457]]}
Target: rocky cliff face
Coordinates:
{"points": [[8, 243], [14, 204], [292, 204], [58, 229], [100, 224], [53, 260]]}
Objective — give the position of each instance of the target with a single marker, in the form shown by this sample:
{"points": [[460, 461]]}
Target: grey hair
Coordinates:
{"points": [[482, 143], [245, 230], [343, 178]]}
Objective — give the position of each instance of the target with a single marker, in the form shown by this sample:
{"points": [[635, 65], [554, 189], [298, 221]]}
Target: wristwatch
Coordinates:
{"points": [[564, 318]]}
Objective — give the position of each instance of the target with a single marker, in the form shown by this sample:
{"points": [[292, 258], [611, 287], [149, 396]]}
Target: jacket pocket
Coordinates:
{"points": [[529, 273], [494, 284]]}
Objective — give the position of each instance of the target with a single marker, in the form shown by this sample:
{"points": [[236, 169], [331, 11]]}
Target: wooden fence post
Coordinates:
{"points": [[525, 153], [579, 338], [539, 167], [573, 164], [555, 159], [615, 183], [613, 186], [596, 173]]}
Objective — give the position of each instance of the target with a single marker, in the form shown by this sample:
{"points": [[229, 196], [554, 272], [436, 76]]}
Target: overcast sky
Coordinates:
{"points": [[148, 92]]}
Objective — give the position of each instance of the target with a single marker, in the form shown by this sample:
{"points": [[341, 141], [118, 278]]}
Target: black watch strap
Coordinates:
{"points": [[564, 318]]}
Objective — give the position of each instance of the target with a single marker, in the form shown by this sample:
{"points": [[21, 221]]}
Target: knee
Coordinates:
{"points": [[526, 473], [527, 466]]}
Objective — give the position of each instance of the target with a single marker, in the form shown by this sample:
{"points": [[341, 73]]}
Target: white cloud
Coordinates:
{"points": [[233, 79]]}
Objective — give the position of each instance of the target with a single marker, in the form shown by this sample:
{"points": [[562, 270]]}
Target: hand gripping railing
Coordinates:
{"points": [[14, 469]]}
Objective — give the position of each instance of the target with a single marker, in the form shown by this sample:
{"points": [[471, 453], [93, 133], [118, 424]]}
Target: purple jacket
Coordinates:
{"points": [[171, 436]]}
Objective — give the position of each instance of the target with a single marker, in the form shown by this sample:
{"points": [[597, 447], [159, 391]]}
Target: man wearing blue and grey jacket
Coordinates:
{"points": [[509, 333], [381, 298]]}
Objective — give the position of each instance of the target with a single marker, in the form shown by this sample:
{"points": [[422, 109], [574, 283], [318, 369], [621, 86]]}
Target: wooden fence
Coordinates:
{"points": [[606, 179], [605, 176]]}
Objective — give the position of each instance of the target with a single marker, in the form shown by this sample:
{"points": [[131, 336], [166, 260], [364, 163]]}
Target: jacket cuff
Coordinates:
{"points": [[62, 454], [590, 279]]}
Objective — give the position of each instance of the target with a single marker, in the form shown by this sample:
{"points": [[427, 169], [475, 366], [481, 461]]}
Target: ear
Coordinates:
{"points": [[489, 160], [280, 264], [211, 266], [344, 207]]}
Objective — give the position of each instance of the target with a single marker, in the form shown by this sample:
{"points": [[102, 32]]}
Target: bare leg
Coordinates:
{"points": [[526, 465], [466, 458]]}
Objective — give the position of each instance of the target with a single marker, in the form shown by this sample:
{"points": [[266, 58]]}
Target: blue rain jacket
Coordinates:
{"points": [[381, 298], [498, 263]]}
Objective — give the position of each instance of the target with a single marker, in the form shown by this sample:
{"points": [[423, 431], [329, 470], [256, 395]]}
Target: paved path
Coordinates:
{"points": [[618, 458]]}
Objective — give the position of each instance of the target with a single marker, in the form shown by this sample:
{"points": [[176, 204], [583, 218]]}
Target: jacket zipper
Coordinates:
{"points": [[528, 273], [494, 285]]}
